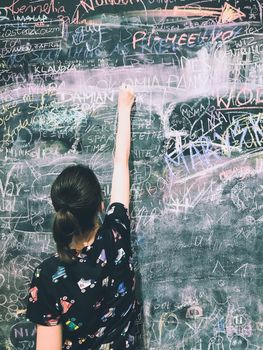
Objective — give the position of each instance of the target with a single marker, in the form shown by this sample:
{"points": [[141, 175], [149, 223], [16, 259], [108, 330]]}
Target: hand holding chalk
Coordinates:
{"points": [[126, 97]]}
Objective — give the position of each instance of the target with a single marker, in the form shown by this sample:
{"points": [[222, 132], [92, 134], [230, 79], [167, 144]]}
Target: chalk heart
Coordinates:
{"points": [[196, 110]]}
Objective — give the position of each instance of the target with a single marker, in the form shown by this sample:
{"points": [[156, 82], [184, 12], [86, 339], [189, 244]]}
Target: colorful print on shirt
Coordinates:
{"points": [[91, 295], [65, 304]]}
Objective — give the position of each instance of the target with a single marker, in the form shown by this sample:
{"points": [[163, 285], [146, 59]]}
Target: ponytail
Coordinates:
{"points": [[65, 226]]}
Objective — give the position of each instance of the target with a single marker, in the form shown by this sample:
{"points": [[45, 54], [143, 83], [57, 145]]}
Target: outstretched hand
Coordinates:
{"points": [[126, 97]]}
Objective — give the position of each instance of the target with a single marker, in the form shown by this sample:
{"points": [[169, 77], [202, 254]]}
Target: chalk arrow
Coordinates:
{"points": [[226, 14], [230, 14]]}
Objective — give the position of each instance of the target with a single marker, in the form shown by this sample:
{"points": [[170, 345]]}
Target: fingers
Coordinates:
{"points": [[126, 87], [126, 96]]}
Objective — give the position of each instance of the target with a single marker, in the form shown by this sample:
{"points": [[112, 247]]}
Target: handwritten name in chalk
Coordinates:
{"points": [[179, 39], [22, 334], [97, 97], [56, 68], [246, 96], [20, 49], [34, 18], [23, 49], [46, 7], [35, 153], [91, 5]]}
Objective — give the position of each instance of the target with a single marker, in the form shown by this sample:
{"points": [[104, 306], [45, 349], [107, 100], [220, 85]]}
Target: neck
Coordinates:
{"points": [[87, 238]]}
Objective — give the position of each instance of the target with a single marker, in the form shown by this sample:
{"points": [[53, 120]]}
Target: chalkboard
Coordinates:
{"points": [[196, 158]]}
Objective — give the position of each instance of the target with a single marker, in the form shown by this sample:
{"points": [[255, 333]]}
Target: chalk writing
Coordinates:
{"points": [[195, 165]]}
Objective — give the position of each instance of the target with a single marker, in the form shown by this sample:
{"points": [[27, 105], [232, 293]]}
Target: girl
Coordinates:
{"points": [[83, 297]]}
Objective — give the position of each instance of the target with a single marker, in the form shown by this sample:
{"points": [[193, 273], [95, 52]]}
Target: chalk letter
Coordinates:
{"points": [[182, 39], [142, 35], [172, 38], [192, 39]]}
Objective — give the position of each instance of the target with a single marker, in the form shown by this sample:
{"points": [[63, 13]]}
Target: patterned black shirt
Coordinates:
{"points": [[94, 296]]}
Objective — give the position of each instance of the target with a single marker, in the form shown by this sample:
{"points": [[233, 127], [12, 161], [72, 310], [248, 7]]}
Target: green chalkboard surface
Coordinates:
{"points": [[196, 159]]}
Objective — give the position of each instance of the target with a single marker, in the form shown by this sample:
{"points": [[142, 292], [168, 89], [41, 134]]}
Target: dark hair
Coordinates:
{"points": [[76, 197]]}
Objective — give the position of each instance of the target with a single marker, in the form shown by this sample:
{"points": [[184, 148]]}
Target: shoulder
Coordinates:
{"points": [[117, 209], [117, 216], [49, 273], [48, 266]]}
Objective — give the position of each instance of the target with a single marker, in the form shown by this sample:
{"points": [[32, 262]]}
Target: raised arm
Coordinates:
{"points": [[120, 191]]}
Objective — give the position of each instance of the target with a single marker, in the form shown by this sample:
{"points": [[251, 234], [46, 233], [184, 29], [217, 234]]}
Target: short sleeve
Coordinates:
{"points": [[117, 218], [41, 307], [118, 221]]}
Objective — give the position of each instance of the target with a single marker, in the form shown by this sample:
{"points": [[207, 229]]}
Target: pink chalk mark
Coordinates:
{"points": [[226, 14], [191, 11], [230, 14]]}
